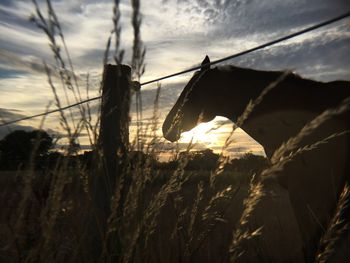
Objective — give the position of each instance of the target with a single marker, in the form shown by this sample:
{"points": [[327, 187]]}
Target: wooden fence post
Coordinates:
{"points": [[110, 157], [114, 129]]}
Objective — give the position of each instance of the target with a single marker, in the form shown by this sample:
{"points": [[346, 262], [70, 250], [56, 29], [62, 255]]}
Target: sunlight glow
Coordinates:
{"points": [[203, 133], [213, 135]]}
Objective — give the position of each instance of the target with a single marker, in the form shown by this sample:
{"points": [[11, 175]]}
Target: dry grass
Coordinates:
{"points": [[336, 229]]}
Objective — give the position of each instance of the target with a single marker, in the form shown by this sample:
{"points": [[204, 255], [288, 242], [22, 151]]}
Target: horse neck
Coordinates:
{"points": [[276, 118], [239, 86]]}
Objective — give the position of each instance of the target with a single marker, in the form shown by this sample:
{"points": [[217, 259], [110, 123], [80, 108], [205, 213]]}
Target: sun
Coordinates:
{"points": [[203, 133]]}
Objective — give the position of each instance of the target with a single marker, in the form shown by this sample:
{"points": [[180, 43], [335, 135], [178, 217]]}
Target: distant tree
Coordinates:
{"points": [[248, 163], [202, 160], [18, 147], [51, 160]]}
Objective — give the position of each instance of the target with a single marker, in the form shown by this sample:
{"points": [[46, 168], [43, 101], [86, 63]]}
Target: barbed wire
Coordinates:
{"points": [[262, 46]]}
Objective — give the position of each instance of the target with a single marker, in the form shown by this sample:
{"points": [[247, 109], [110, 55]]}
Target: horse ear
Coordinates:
{"points": [[205, 63]]}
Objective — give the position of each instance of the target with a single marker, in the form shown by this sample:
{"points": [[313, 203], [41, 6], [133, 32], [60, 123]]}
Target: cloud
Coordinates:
{"points": [[318, 56], [13, 114], [12, 61], [242, 17], [166, 146], [8, 115]]}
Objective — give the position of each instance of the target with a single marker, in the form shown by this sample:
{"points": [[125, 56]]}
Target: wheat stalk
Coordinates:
{"points": [[335, 230], [242, 232], [293, 142]]}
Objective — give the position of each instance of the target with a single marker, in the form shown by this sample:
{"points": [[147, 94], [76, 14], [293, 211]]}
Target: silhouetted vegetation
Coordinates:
{"points": [[249, 163], [19, 148]]}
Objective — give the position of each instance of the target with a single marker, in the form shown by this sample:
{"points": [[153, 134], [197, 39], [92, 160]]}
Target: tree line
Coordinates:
{"points": [[35, 149]]}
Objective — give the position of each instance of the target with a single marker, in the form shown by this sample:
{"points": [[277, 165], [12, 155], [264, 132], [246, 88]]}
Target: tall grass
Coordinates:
{"points": [[176, 206], [336, 229]]}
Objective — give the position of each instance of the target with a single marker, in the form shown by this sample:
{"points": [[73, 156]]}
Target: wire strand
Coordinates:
{"points": [[270, 43]]}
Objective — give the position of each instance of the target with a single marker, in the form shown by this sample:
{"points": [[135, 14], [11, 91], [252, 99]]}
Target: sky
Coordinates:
{"points": [[177, 34]]}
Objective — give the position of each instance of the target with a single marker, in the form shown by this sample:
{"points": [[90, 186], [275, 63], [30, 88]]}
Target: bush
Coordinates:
{"points": [[19, 147]]}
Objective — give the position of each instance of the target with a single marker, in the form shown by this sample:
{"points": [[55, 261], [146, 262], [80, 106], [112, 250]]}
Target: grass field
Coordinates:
{"points": [[172, 241]]}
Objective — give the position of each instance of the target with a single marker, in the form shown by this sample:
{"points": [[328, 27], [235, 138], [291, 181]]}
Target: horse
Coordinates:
{"points": [[315, 178]]}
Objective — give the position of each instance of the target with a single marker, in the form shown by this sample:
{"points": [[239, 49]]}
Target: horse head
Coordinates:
{"points": [[194, 104]]}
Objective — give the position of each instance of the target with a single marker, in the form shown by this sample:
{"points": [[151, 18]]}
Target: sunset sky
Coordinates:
{"points": [[177, 34]]}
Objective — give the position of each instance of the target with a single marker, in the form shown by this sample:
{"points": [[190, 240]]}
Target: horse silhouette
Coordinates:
{"points": [[315, 178]]}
